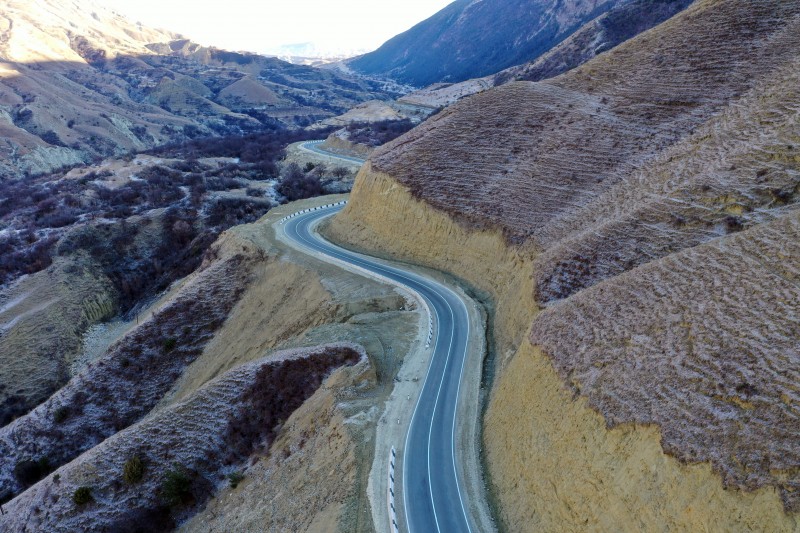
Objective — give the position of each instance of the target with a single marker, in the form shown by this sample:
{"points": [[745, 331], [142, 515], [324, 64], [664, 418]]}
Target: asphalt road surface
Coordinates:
{"points": [[313, 146], [432, 491]]}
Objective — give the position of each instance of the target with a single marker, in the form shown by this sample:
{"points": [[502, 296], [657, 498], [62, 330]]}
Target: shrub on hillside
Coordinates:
{"points": [[133, 471], [226, 212], [29, 472], [297, 185], [234, 478], [82, 495], [176, 489], [378, 133], [61, 414]]}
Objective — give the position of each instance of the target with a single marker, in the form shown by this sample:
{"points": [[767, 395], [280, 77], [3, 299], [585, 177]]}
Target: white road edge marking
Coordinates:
{"points": [[439, 287]]}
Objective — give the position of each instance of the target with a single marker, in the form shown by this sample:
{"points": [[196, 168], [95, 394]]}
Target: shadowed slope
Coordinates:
{"points": [[469, 39]]}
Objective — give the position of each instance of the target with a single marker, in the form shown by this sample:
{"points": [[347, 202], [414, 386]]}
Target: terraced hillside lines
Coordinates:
{"points": [[656, 188], [534, 165], [204, 439], [124, 385], [557, 144], [740, 169], [703, 343]]}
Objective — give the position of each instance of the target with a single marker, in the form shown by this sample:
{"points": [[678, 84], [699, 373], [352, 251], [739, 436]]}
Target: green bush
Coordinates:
{"points": [[29, 472], [176, 489], [82, 495], [133, 471], [235, 478], [60, 414], [169, 344]]}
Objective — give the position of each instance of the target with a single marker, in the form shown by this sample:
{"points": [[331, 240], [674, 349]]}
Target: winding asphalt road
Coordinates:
{"points": [[313, 146], [432, 491]]}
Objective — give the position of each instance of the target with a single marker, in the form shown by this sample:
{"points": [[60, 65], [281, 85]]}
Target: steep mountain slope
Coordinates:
{"points": [[595, 37], [621, 22], [474, 38], [580, 133], [78, 81], [635, 221]]}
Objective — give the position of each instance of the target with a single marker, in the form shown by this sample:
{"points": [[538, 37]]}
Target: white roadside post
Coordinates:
{"points": [[390, 496]]}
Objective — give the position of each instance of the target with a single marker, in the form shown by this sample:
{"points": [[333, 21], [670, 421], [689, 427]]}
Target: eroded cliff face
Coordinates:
{"points": [[635, 223]]}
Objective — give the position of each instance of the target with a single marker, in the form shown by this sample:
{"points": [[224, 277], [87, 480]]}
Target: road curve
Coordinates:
{"points": [[432, 490], [313, 146]]}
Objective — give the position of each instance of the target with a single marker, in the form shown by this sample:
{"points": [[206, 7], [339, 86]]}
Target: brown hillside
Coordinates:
{"points": [[223, 427], [78, 81], [547, 148], [652, 197]]}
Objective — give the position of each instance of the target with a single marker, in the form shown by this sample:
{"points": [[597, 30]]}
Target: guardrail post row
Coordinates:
{"points": [[390, 495]]}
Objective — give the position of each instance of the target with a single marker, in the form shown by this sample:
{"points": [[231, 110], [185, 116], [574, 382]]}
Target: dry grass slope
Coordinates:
{"points": [[42, 318], [702, 343], [656, 187], [556, 145]]}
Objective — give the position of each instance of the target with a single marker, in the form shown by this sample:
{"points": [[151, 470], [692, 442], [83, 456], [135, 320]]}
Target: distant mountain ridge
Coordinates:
{"points": [[78, 81], [475, 38], [595, 37]]}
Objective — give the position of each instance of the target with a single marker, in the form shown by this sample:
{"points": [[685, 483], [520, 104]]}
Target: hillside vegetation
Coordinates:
{"points": [[162, 469], [193, 412]]}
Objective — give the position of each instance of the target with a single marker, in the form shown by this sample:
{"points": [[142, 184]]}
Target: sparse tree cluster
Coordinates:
{"points": [[377, 133], [297, 184]]}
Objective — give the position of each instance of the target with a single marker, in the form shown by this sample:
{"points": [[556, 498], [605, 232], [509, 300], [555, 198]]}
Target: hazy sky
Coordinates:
{"points": [[263, 26]]}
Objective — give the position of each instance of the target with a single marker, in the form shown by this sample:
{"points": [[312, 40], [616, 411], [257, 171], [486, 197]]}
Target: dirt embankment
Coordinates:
{"points": [[326, 448], [383, 212], [306, 482], [339, 144], [552, 461], [654, 194]]}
